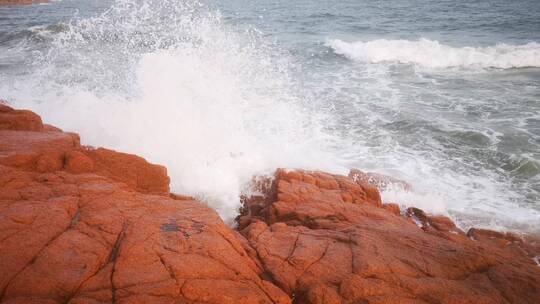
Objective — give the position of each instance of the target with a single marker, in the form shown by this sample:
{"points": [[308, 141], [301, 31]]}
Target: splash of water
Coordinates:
{"points": [[169, 81]]}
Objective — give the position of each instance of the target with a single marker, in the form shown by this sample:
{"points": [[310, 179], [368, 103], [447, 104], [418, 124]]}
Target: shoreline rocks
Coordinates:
{"points": [[86, 225], [325, 238], [83, 225]]}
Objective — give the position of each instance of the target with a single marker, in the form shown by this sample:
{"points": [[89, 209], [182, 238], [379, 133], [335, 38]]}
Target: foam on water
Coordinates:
{"points": [[170, 82], [432, 54], [412, 132]]}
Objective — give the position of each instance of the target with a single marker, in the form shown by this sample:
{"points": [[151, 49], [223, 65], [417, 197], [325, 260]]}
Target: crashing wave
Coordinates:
{"points": [[433, 54]]}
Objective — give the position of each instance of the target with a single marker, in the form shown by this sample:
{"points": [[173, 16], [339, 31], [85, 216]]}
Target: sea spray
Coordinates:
{"points": [[169, 81]]}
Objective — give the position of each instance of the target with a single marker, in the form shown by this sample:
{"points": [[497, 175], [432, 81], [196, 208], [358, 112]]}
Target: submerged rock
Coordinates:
{"points": [[382, 182], [85, 225]]}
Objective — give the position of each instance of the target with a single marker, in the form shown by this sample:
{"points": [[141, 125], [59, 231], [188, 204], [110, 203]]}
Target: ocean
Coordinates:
{"points": [[442, 94]]}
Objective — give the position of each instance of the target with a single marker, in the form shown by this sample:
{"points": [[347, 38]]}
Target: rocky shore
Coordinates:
{"points": [[86, 225]]}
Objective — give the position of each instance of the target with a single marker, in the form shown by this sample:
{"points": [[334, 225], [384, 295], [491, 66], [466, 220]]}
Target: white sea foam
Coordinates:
{"points": [[432, 54], [170, 82]]}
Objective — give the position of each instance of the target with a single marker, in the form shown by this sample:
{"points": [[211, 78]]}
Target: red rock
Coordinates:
{"points": [[77, 162], [49, 162], [530, 244], [392, 208], [82, 225], [50, 128], [323, 243], [31, 150], [130, 169], [442, 223], [21, 120], [181, 197]]}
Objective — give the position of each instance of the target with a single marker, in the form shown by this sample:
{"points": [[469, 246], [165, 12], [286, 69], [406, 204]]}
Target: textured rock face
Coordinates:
{"points": [[81, 225], [326, 239], [11, 119], [84, 225]]}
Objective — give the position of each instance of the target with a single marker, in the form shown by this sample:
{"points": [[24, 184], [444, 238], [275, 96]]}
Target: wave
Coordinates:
{"points": [[433, 54], [169, 81]]}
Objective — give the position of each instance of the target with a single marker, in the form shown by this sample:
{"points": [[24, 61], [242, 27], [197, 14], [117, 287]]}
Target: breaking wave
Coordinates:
{"points": [[169, 81], [433, 54]]}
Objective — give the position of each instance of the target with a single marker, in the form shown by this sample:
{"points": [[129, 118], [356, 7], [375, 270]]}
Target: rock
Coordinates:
{"points": [[21, 120], [327, 239], [77, 162], [382, 182], [25, 149], [130, 169], [530, 244], [49, 162], [181, 197], [81, 225], [392, 208], [51, 128]]}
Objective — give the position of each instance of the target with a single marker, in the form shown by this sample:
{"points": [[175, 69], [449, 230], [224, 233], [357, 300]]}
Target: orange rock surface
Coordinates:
{"points": [[80, 225], [326, 239], [85, 225]]}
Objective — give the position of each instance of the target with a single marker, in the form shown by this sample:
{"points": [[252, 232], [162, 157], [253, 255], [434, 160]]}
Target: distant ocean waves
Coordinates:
{"points": [[432, 54]]}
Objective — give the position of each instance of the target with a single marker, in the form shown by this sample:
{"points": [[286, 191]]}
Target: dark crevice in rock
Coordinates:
{"points": [[288, 259], [114, 256], [76, 217], [169, 269]]}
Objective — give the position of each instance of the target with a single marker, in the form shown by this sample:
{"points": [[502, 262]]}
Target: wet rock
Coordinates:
{"points": [[78, 162], [381, 181], [86, 225], [328, 239], [21, 120], [82, 225], [130, 169]]}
